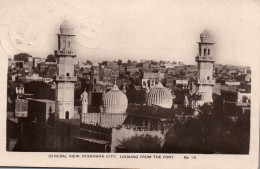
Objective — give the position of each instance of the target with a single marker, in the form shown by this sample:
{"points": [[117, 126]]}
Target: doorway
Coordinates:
{"points": [[67, 115]]}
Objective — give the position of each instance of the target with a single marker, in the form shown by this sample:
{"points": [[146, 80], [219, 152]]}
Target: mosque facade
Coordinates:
{"points": [[90, 131]]}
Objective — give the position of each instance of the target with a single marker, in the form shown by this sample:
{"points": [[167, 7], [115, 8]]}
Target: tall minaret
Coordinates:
{"points": [[205, 60], [66, 78]]}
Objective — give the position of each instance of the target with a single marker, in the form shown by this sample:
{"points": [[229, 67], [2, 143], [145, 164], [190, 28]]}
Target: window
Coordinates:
{"points": [[208, 78], [68, 74], [67, 115], [208, 51], [205, 51], [95, 81], [244, 99], [68, 44]]}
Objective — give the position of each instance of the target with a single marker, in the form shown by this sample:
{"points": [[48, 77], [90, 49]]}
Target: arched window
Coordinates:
{"points": [[67, 115], [208, 78], [68, 74], [205, 52]]}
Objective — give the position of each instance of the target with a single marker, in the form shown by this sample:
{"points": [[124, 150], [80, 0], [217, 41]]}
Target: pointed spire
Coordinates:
{"points": [[124, 89]]}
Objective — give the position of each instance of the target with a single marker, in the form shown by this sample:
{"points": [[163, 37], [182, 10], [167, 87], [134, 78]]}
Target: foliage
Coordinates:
{"points": [[144, 143], [212, 131], [119, 62], [51, 58], [21, 57], [40, 90]]}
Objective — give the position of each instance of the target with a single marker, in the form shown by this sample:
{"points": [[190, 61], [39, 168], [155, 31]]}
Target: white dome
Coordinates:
{"points": [[159, 96], [115, 101], [66, 28], [206, 36]]}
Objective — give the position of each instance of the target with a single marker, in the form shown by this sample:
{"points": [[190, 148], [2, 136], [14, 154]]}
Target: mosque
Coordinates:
{"points": [[68, 130]]}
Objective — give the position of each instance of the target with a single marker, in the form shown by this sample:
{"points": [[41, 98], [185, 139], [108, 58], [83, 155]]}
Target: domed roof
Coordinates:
{"points": [[84, 94], [115, 101], [66, 28], [206, 36], [159, 96]]}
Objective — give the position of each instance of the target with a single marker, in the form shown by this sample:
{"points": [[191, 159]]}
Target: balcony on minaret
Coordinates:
{"points": [[205, 82], [66, 78], [206, 58], [65, 53]]}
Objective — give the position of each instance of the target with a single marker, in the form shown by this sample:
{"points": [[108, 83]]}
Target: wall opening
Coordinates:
{"points": [[67, 115]]}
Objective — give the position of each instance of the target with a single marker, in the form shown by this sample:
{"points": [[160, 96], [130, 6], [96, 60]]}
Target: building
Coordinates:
{"points": [[159, 96], [114, 101], [39, 110], [65, 80], [95, 88], [205, 60]]}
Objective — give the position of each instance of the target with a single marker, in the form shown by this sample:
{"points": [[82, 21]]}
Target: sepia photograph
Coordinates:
{"points": [[130, 77]]}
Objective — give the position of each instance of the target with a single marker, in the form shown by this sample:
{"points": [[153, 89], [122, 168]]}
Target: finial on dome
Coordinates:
{"points": [[115, 81], [115, 87]]}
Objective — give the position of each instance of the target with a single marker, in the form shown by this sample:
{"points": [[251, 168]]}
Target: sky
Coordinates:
{"points": [[133, 29]]}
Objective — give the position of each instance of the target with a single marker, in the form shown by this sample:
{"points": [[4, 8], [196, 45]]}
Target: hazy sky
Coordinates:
{"points": [[133, 29]]}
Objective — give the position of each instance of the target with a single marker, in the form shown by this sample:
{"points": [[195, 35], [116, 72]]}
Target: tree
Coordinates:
{"points": [[22, 57], [119, 62], [40, 90], [51, 58], [129, 62], [144, 143]]}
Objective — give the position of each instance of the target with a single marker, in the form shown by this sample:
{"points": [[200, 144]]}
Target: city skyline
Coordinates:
{"points": [[132, 30]]}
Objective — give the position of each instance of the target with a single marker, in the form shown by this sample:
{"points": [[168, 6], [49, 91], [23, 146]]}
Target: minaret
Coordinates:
{"points": [[94, 77], [65, 79], [205, 60], [84, 102]]}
